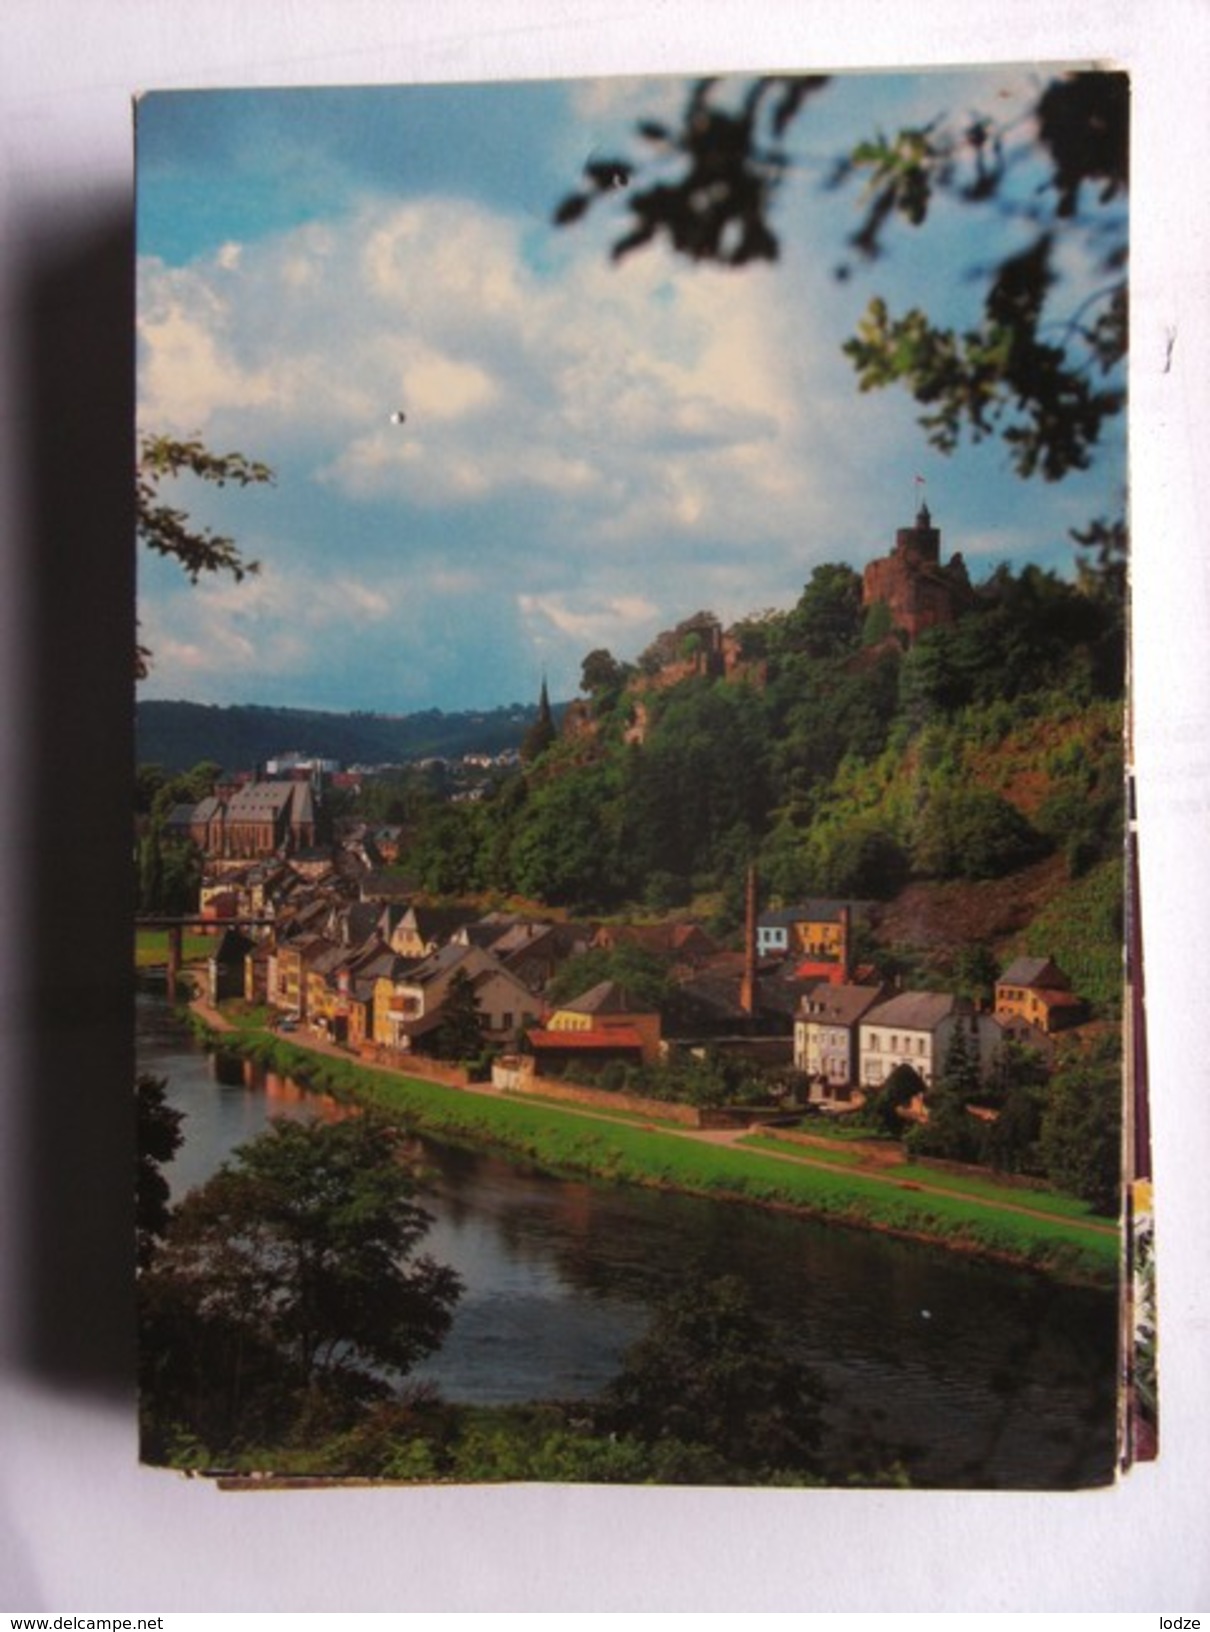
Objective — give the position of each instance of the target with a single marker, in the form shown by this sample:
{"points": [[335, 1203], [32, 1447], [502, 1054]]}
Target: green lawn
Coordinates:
{"points": [[959, 1184], [151, 947], [567, 1140], [616, 1113], [842, 1129], [839, 1155]]}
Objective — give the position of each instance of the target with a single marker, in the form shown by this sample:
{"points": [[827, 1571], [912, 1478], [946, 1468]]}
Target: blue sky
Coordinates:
{"points": [[591, 451]]}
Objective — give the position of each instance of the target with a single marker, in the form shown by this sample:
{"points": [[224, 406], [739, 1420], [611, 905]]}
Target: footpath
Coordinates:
{"points": [[875, 1167]]}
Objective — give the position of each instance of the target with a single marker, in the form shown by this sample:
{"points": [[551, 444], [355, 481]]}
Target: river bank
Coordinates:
{"points": [[571, 1140]]}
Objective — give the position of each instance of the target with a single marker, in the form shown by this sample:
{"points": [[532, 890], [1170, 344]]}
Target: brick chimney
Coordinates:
{"points": [[747, 990], [846, 945]]}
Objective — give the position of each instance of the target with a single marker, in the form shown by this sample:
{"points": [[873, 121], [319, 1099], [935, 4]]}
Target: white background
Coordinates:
{"points": [[81, 1526]]}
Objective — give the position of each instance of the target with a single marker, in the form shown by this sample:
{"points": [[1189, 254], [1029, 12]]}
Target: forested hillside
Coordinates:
{"points": [[177, 735], [840, 759]]}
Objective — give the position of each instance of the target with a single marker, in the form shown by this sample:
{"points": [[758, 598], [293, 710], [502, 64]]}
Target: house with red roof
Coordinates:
{"points": [[605, 1023]]}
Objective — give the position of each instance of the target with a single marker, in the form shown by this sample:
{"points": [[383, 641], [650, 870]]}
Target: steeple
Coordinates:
{"points": [[541, 733]]}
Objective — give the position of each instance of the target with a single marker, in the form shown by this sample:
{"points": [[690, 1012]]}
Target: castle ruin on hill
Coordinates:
{"points": [[919, 591]]}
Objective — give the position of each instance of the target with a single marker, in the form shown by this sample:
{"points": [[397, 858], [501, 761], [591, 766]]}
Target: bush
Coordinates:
{"points": [[972, 833], [861, 858], [715, 1376]]}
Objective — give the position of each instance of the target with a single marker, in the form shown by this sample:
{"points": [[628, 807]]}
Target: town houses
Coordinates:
{"points": [[345, 951]]}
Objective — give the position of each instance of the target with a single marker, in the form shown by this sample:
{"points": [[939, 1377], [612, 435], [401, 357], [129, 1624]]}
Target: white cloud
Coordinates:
{"points": [[584, 382], [597, 623], [363, 600], [188, 367], [440, 387], [590, 449], [626, 99]]}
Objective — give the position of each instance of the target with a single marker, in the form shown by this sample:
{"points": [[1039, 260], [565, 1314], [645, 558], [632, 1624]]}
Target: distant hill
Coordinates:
{"points": [[178, 735]]}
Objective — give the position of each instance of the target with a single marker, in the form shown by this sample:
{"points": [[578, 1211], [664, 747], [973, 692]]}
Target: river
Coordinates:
{"points": [[971, 1374]]}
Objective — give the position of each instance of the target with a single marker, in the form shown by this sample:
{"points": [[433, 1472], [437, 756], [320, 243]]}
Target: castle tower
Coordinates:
{"points": [[912, 582], [923, 540]]}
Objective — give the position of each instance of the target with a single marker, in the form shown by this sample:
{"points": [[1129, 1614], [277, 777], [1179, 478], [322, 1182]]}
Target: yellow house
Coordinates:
{"points": [[1037, 991], [293, 962]]}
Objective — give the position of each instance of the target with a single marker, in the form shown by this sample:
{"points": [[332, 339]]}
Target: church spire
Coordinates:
{"points": [[541, 733]]}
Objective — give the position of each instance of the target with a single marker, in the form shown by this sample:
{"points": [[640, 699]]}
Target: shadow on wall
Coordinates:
{"points": [[73, 1147]]}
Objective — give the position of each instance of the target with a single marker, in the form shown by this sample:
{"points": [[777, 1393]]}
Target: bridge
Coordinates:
{"points": [[177, 926]]}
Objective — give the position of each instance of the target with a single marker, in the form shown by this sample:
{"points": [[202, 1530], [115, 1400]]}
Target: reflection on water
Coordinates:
{"points": [[972, 1374]]}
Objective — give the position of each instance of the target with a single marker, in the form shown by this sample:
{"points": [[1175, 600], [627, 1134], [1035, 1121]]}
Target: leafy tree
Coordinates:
{"points": [[170, 873], [877, 625], [447, 853], [1102, 577], [1016, 1086], [600, 671], [634, 968], [883, 1104], [717, 208], [972, 833], [939, 674], [827, 620], [168, 531], [975, 971], [860, 858], [665, 890], [603, 679], [826, 712], [148, 780], [151, 870], [1044, 377], [158, 1138], [288, 1287], [951, 1131], [169, 868], [713, 1373], [460, 1034], [697, 792], [562, 850], [760, 633], [1084, 813], [1081, 1133], [185, 788]]}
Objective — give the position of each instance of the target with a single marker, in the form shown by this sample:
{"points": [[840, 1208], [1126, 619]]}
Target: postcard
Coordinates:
{"points": [[635, 863]]}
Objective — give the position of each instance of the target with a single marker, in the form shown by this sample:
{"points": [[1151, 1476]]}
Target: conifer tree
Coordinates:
{"points": [[541, 734]]}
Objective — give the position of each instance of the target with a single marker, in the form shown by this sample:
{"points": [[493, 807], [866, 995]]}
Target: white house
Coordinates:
{"points": [[826, 1037], [912, 1028]]}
